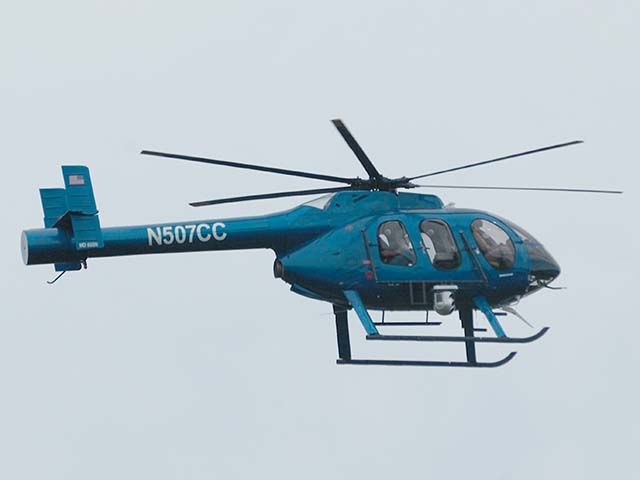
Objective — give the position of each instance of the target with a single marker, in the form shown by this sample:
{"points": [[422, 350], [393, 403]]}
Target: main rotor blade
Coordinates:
{"points": [[264, 196], [248, 166], [499, 159], [364, 160], [536, 189]]}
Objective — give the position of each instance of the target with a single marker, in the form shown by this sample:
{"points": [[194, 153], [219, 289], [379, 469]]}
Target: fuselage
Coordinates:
{"points": [[393, 248]]}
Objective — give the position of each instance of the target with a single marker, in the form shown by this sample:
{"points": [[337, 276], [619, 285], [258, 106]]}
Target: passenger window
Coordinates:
{"points": [[394, 244], [439, 244], [494, 243]]}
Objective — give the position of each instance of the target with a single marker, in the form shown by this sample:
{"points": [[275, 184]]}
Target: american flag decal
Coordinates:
{"points": [[76, 179]]}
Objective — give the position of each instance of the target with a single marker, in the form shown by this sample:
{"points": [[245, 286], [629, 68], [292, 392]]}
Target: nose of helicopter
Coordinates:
{"points": [[543, 266]]}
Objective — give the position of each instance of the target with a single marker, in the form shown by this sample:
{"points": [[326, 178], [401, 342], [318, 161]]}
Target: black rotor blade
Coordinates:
{"points": [[535, 189], [499, 159], [248, 166], [264, 196], [364, 160]]}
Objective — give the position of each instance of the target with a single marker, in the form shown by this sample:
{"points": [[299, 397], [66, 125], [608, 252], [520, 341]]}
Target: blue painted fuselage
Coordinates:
{"points": [[336, 243]]}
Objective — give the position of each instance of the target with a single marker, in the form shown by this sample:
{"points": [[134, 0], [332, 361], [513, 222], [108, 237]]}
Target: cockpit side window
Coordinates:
{"points": [[494, 243], [395, 245], [439, 244]]}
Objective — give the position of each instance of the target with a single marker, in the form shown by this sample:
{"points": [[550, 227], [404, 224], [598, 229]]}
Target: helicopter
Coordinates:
{"points": [[365, 245]]}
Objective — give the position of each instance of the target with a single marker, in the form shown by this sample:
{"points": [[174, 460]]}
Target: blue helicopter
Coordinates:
{"points": [[364, 245]]}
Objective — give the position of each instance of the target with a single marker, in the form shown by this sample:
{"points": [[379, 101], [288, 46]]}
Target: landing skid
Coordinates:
{"points": [[431, 338], [426, 363], [469, 339]]}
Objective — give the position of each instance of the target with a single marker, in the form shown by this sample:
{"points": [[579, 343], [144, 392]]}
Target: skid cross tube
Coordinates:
{"points": [[342, 332], [483, 305], [466, 317], [356, 302]]}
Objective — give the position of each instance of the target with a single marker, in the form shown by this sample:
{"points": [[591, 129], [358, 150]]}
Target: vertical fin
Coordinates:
{"points": [[77, 182], [82, 208]]}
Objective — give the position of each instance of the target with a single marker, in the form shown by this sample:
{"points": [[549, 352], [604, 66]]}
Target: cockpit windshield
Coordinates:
{"points": [[542, 265], [521, 232]]}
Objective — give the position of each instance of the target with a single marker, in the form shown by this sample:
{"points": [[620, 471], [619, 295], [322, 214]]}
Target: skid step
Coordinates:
{"points": [[432, 338], [426, 363]]}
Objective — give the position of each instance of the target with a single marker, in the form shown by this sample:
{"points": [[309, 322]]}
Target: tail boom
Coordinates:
{"points": [[73, 233], [55, 245]]}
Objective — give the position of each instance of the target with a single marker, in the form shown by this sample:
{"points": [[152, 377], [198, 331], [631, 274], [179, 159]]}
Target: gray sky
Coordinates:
{"points": [[202, 365]]}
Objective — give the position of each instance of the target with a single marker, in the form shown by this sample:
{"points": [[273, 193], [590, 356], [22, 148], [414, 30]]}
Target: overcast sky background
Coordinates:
{"points": [[203, 366]]}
